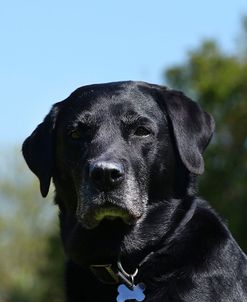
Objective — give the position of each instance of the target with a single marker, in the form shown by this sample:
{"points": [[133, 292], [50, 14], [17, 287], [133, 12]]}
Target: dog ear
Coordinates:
{"points": [[38, 152], [192, 128]]}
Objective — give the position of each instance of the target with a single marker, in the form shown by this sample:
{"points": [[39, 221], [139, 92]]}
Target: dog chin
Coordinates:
{"points": [[100, 244]]}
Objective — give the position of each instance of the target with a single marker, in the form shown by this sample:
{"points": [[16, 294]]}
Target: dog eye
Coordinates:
{"points": [[142, 131], [75, 134], [81, 131]]}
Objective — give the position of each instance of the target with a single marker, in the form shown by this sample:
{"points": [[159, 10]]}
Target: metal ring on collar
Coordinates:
{"points": [[131, 276]]}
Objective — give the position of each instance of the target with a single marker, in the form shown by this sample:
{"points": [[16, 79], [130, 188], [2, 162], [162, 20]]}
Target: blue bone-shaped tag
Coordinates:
{"points": [[126, 294]]}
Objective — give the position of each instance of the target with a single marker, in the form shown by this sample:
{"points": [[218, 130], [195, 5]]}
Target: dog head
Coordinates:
{"points": [[115, 151]]}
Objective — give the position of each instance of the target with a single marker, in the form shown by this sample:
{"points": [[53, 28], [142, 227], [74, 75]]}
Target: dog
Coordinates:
{"points": [[124, 158]]}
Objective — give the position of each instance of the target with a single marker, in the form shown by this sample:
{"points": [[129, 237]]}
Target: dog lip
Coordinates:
{"points": [[95, 216]]}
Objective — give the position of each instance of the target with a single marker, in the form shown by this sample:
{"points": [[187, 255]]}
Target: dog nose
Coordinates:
{"points": [[106, 175]]}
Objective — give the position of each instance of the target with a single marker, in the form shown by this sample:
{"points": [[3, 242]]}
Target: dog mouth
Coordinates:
{"points": [[111, 214]]}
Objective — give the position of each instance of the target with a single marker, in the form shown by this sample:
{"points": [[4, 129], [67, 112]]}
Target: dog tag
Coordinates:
{"points": [[136, 294]]}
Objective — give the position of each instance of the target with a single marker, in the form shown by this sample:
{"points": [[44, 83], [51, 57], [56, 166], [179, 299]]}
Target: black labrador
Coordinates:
{"points": [[124, 158]]}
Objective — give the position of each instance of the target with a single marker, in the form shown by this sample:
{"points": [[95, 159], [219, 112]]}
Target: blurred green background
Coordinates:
{"points": [[31, 257]]}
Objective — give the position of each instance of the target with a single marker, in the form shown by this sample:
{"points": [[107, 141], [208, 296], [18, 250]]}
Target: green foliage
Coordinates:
{"points": [[218, 81], [30, 252]]}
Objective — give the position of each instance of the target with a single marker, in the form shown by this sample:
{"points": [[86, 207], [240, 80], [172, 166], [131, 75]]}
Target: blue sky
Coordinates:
{"points": [[50, 47]]}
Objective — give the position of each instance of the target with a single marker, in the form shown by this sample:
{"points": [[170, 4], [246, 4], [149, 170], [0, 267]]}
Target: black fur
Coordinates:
{"points": [[137, 148]]}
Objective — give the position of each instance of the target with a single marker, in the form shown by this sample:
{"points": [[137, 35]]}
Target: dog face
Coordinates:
{"points": [[108, 147], [118, 153]]}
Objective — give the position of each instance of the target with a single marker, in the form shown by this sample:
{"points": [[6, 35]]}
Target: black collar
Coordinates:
{"points": [[115, 273]]}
